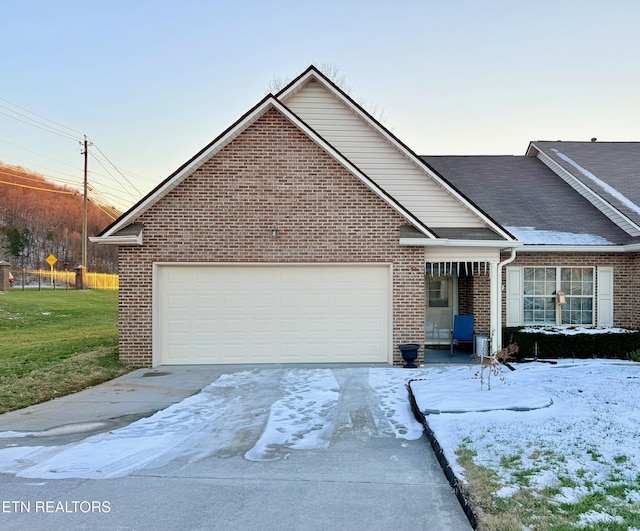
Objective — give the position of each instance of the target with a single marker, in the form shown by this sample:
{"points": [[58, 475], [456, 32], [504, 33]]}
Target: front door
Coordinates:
{"points": [[439, 312]]}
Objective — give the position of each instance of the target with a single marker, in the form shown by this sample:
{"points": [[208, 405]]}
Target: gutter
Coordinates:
{"points": [[631, 248], [135, 239], [497, 343], [444, 242]]}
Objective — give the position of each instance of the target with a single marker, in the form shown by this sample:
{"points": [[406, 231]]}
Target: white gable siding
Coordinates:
{"points": [[381, 161]]}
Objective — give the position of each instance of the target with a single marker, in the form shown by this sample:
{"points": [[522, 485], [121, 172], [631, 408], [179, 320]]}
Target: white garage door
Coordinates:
{"points": [[272, 313]]}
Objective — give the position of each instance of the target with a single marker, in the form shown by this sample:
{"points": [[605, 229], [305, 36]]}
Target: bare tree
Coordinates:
{"points": [[332, 71]]}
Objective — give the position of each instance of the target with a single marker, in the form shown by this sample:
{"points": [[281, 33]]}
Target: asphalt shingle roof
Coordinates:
{"points": [[611, 169], [521, 192]]}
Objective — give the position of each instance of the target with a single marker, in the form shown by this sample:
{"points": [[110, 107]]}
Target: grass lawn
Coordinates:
{"points": [[55, 342]]}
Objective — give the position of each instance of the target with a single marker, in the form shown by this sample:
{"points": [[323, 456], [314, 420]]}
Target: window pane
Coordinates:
{"points": [[577, 283], [540, 285], [439, 293], [539, 310], [578, 311]]}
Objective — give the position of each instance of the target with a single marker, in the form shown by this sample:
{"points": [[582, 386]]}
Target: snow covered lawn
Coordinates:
{"points": [[569, 454]]}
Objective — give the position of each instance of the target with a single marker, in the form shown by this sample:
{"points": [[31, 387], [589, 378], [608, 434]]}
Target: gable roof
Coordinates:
{"points": [[120, 232], [529, 200], [485, 228], [606, 173], [386, 160]]}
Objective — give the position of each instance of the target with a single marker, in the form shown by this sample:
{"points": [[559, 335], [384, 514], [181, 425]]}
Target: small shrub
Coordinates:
{"points": [[634, 355], [578, 345]]}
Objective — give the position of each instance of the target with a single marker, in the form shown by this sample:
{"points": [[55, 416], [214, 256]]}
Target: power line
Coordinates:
{"points": [[37, 165], [116, 168], [21, 173], [127, 190], [75, 178], [39, 116], [37, 188], [39, 155], [41, 126], [41, 181], [50, 126]]}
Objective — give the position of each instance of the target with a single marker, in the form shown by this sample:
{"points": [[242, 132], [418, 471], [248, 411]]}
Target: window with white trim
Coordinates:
{"points": [[540, 285]]}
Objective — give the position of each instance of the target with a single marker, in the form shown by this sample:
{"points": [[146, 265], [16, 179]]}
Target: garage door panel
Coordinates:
{"points": [[289, 313]]}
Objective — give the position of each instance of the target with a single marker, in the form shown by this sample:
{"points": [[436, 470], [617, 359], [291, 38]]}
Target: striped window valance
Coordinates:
{"points": [[435, 269]]}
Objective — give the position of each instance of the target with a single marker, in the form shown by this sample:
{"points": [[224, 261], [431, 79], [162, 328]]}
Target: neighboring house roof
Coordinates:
{"points": [[529, 200], [607, 173]]}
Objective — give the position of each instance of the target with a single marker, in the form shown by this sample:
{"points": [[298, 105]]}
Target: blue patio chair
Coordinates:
{"points": [[462, 331]]}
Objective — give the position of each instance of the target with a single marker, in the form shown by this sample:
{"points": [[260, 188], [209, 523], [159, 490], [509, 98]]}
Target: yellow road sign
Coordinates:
{"points": [[51, 260]]}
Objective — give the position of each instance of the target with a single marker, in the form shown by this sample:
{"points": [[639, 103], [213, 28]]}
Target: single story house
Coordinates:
{"points": [[307, 232]]}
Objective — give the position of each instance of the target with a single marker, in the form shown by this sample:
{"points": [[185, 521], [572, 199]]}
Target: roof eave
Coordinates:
{"points": [[444, 242], [124, 241], [542, 248]]}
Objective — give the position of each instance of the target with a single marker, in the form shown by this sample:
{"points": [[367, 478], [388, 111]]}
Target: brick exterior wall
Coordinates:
{"points": [[270, 176], [626, 281], [474, 298], [474, 291]]}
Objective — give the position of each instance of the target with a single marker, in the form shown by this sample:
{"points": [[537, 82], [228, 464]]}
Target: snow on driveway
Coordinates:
{"points": [[243, 411]]}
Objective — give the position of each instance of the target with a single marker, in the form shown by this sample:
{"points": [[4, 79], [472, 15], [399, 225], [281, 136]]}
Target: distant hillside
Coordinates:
{"points": [[38, 218]]}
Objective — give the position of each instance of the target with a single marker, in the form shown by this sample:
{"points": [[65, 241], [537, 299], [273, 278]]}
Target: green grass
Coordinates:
{"points": [[55, 342], [538, 508]]}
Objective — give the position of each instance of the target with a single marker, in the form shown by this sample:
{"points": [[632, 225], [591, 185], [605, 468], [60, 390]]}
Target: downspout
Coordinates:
{"points": [[497, 340]]}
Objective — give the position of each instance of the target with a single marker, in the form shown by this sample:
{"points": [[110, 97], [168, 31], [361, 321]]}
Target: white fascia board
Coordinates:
{"points": [[632, 248], [579, 248], [313, 75], [444, 242], [117, 240]]}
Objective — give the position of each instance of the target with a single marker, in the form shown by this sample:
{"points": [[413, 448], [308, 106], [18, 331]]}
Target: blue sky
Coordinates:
{"points": [[152, 82]]}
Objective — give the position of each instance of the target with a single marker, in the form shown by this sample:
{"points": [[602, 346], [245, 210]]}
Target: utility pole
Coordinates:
{"points": [[85, 152]]}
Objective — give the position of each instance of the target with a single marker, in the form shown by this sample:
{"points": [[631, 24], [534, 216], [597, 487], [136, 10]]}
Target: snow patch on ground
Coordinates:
{"points": [[593, 517], [588, 434], [390, 387], [460, 390], [303, 418]]}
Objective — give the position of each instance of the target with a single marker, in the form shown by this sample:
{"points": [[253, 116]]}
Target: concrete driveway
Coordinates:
{"points": [[260, 447]]}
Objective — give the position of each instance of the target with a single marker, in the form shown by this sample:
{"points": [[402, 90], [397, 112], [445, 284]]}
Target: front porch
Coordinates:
{"points": [[461, 288], [436, 354]]}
